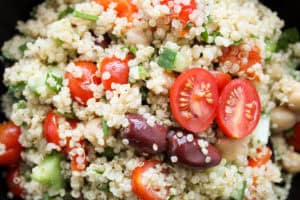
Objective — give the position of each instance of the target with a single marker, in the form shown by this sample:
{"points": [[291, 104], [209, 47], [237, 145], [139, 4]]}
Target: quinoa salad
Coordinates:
{"points": [[151, 100]]}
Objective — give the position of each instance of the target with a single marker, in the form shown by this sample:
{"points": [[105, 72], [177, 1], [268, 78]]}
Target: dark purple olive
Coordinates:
{"points": [[105, 42], [143, 137], [190, 151]]}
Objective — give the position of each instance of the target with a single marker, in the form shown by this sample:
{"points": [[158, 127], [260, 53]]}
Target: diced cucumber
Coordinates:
{"points": [[262, 131], [49, 81], [49, 172], [240, 192], [173, 60]]}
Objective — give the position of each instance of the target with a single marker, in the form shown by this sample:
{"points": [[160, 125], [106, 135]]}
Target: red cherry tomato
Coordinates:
{"points": [[124, 8], [79, 162], [184, 14], [50, 128], [12, 177], [141, 190], [295, 138], [239, 108], [222, 79], [79, 86], [9, 136], [116, 70], [260, 160], [244, 55], [194, 99]]}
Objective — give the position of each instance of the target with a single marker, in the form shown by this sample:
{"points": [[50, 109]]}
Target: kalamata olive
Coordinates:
{"points": [[190, 151], [143, 137]]}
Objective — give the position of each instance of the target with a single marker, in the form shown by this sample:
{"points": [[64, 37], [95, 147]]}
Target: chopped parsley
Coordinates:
{"points": [[22, 105], [109, 153], [143, 74], [238, 42], [270, 45], [133, 49], [17, 89], [54, 82], [23, 48], [287, 37]]}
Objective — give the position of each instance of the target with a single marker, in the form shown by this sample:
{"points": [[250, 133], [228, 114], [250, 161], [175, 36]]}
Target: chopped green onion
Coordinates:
{"points": [[171, 197], [143, 74], [113, 36], [22, 105], [215, 34], [238, 42], [66, 115], [167, 58], [54, 81], [49, 172], [288, 36], [65, 12], [270, 45], [85, 16], [104, 126], [109, 153], [268, 59]]}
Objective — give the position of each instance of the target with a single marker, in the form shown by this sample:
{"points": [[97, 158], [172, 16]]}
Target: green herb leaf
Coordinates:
{"points": [[66, 115], [238, 42], [54, 82], [23, 48], [268, 59], [270, 45], [171, 197], [104, 126], [254, 36], [65, 12], [16, 90], [188, 26], [59, 42], [85, 16], [113, 36], [22, 105], [167, 58], [109, 153], [288, 36], [215, 34], [104, 187], [144, 91], [204, 35], [131, 48]]}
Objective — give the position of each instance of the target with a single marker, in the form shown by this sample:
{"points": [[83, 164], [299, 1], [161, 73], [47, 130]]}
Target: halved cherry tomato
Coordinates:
{"points": [[79, 86], [141, 190], [244, 55], [194, 99], [239, 108], [12, 177], [124, 8], [295, 138], [116, 70], [9, 136], [261, 160], [222, 79], [185, 11], [50, 127]]}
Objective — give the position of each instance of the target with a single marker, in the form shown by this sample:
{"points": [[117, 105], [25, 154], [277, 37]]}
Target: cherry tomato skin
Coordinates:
{"points": [[222, 79], [184, 15], [50, 127], [242, 57], [117, 71], [15, 188], [295, 138], [138, 188], [79, 86], [260, 161], [124, 8], [239, 108], [77, 166], [9, 136], [194, 99]]}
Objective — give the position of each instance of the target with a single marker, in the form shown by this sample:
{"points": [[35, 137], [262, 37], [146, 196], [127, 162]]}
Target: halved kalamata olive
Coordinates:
{"points": [[143, 137], [190, 151]]}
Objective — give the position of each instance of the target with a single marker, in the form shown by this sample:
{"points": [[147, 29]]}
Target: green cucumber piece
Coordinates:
{"points": [[49, 172]]}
